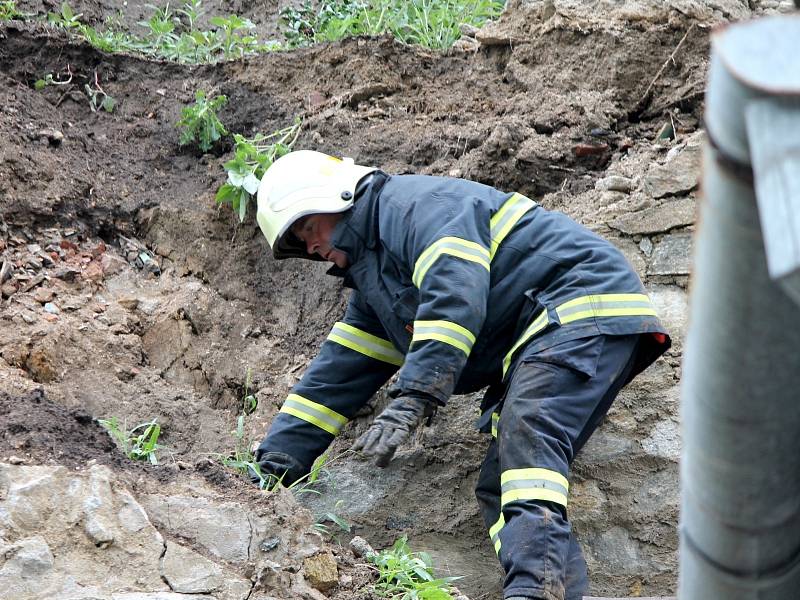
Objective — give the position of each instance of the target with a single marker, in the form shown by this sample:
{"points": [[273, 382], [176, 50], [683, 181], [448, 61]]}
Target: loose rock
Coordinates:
{"points": [[615, 183], [44, 295], [321, 571]]}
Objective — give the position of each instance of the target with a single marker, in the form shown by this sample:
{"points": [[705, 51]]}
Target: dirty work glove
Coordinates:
{"points": [[275, 467], [394, 426]]}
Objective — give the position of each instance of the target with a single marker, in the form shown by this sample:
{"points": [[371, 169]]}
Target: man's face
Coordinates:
{"points": [[315, 232]]}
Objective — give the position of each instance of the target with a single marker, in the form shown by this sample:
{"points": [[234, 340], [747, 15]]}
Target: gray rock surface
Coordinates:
{"points": [[679, 174], [672, 256], [80, 535], [657, 219]]}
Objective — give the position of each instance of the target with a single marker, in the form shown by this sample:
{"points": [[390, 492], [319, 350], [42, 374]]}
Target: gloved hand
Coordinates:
{"points": [[274, 468], [393, 427]]}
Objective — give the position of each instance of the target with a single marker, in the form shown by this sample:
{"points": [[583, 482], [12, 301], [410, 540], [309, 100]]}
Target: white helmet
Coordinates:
{"points": [[303, 183]]}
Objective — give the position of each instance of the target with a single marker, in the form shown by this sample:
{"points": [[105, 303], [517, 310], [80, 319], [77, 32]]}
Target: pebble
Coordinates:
{"points": [[129, 303], [16, 460], [43, 295], [29, 317], [51, 318], [646, 246], [614, 183], [51, 308]]}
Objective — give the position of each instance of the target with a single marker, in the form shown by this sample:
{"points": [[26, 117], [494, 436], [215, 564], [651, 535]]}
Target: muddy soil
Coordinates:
{"points": [[129, 293]]}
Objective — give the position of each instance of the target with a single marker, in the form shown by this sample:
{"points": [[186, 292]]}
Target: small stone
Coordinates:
{"points": [[51, 308], [99, 249], [361, 547], [67, 245], [67, 274], [589, 149], [128, 303], [111, 264], [93, 272], [8, 290], [16, 460], [321, 571], [270, 544], [43, 295], [53, 136], [614, 183], [34, 248], [646, 246], [5, 271], [28, 317], [50, 318]]}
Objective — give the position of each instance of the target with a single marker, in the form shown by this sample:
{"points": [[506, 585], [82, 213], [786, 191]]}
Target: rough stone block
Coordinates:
{"points": [[679, 175], [188, 572], [672, 256], [658, 219]]}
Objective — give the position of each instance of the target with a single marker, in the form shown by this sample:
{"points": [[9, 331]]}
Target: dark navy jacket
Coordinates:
{"points": [[454, 283]]}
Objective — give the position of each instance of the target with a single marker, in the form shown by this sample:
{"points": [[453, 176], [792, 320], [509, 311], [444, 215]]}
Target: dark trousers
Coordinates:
{"points": [[555, 399]]}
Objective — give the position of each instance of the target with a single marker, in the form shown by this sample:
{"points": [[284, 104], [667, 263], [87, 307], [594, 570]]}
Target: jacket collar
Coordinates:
{"points": [[357, 231]]}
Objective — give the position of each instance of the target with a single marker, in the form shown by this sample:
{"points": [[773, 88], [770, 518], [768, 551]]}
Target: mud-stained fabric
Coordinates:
{"points": [[549, 411]]}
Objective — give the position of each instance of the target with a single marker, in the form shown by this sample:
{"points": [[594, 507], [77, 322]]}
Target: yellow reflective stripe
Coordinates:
{"points": [[605, 305], [538, 324], [454, 246], [365, 343], [444, 331], [495, 419], [504, 219], [534, 494], [314, 413], [533, 484], [494, 532]]}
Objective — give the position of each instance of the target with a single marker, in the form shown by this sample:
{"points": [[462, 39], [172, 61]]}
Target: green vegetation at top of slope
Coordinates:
{"points": [[9, 10], [171, 35], [430, 23]]}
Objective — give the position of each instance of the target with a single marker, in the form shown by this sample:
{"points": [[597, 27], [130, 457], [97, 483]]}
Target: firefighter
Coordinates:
{"points": [[461, 287]]}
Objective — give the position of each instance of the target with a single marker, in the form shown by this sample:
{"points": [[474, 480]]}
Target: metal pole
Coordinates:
{"points": [[740, 470]]}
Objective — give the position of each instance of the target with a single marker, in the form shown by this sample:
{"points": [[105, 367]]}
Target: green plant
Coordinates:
{"points": [[249, 401], [139, 443], [9, 11], [66, 18], [430, 23], [252, 157], [242, 460], [333, 517], [407, 575], [200, 122], [98, 98], [170, 35], [50, 79]]}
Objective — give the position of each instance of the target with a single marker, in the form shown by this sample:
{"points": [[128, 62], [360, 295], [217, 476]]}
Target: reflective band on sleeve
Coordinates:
{"points": [[314, 413], [365, 343], [605, 305], [454, 246], [538, 324], [504, 219], [533, 484], [494, 532], [444, 331], [495, 419]]}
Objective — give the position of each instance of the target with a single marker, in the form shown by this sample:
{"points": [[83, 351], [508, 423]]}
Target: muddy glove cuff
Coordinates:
{"points": [[394, 426], [274, 468]]}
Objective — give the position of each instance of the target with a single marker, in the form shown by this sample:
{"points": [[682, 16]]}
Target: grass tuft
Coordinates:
{"points": [[429, 23], [407, 575], [139, 443]]}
